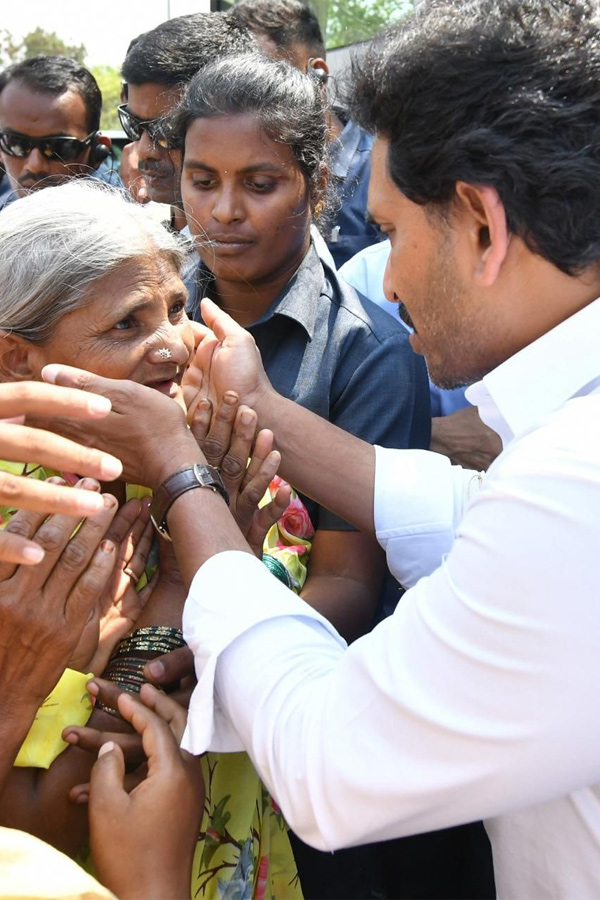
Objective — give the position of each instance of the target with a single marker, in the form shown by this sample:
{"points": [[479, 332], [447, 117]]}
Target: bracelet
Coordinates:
{"points": [[125, 667]]}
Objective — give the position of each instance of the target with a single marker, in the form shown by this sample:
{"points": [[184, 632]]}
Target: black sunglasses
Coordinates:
{"points": [[59, 147], [134, 127]]}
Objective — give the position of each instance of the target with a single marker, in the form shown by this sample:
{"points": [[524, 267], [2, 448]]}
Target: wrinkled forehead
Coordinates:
{"points": [[39, 114]]}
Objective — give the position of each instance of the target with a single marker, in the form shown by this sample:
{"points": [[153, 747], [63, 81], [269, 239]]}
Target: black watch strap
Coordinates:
{"points": [[196, 476]]}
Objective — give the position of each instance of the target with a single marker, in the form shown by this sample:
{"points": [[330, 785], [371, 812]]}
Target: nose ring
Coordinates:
{"points": [[164, 353]]}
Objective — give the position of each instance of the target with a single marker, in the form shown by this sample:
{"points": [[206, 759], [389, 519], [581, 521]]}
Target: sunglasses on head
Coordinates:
{"points": [[135, 127], [59, 147]]}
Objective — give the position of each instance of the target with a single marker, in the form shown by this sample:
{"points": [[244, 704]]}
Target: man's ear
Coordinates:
{"points": [[101, 150], [487, 230], [17, 358], [318, 69]]}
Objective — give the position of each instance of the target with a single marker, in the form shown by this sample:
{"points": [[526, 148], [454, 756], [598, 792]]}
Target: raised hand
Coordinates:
{"points": [[248, 463], [226, 358], [143, 842]]}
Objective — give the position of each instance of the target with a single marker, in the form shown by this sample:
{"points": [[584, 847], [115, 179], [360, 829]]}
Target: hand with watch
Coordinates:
{"points": [[149, 434]]}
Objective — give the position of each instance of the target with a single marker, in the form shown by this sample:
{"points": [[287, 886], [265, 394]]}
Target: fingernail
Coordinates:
{"points": [[107, 547], [92, 688], [204, 403], [110, 467], [88, 484], [109, 501], [106, 748], [70, 738], [247, 417], [55, 479], [50, 373], [156, 669], [230, 398], [33, 553], [83, 798], [99, 406]]}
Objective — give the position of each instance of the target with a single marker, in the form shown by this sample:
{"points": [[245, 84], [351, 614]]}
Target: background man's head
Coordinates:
{"points": [[285, 29], [157, 67], [49, 97], [486, 109]]}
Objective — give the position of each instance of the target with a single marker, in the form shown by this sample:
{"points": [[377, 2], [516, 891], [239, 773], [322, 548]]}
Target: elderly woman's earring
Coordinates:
{"points": [[164, 353]]}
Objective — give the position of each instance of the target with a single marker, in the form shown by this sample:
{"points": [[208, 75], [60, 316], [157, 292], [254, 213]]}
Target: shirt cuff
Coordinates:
{"points": [[230, 594], [419, 500]]}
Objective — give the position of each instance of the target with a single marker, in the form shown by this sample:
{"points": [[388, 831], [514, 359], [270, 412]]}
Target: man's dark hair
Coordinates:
{"points": [[501, 94], [288, 106], [54, 75], [286, 22], [175, 50]]}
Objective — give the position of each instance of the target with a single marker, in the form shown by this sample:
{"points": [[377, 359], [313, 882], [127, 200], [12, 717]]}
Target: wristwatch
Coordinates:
{"points": [[196, 476]]}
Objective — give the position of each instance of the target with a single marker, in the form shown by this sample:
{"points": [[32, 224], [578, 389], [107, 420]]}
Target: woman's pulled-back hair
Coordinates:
{"points": [[505, 94], [56, 243], [288, 105]]}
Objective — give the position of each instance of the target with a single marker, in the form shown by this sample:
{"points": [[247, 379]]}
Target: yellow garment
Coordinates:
{"points": [[33, 870], [68, 704], [243, 846]]}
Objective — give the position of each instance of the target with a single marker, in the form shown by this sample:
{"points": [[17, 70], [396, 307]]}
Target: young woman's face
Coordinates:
{"points": [[246, 200]]}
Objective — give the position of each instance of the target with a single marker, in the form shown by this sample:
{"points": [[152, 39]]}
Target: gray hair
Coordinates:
{"points": [[55, 243]]}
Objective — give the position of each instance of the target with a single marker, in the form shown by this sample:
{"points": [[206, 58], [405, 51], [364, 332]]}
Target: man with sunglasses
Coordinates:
{"points": [[49, 123], [157, 67]]}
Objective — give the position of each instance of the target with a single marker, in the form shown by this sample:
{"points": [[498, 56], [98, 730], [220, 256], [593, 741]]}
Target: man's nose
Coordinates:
{"points": [[37, 163]]}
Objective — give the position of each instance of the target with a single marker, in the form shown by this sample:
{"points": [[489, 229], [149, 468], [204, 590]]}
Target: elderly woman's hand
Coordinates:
{"points": [[248, 464], [119, 605], [21, 444], [44, 608], [143, 842]]}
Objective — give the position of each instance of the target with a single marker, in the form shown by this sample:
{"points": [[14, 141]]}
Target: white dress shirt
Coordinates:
{"points": [[480, 696]]}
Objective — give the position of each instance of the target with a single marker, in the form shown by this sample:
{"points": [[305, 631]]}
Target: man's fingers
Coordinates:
{"points": [[20, 443], [254, 491], [170, 668], [66, 557], [22, 527], [262, 447], [142, 546], [106, 780], [18, 551], [24, 397], [199, 418], [90, 740], [159, 744], [166, 708], [217, 441], [91, 584]]}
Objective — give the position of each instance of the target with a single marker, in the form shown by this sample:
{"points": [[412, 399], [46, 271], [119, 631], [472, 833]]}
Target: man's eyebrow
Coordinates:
{"points": [[370, 219]]}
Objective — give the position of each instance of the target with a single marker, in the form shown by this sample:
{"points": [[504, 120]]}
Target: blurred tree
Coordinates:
{"points": [[8, 48], [109, 82], [351, 21], [36, 43]]}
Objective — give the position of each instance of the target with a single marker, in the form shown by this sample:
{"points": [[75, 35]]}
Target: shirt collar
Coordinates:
{"points": [[538, 379], [299, 300]]}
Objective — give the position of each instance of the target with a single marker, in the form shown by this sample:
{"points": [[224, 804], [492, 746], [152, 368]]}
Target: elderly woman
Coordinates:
{"points": [[87, 279]]}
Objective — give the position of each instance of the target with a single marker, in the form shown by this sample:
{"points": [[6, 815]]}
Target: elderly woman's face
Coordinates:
{"points": [[134, 326]]}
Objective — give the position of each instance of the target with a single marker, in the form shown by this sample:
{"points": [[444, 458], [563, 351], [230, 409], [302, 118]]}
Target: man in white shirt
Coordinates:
{"points": [[479, 697]]}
